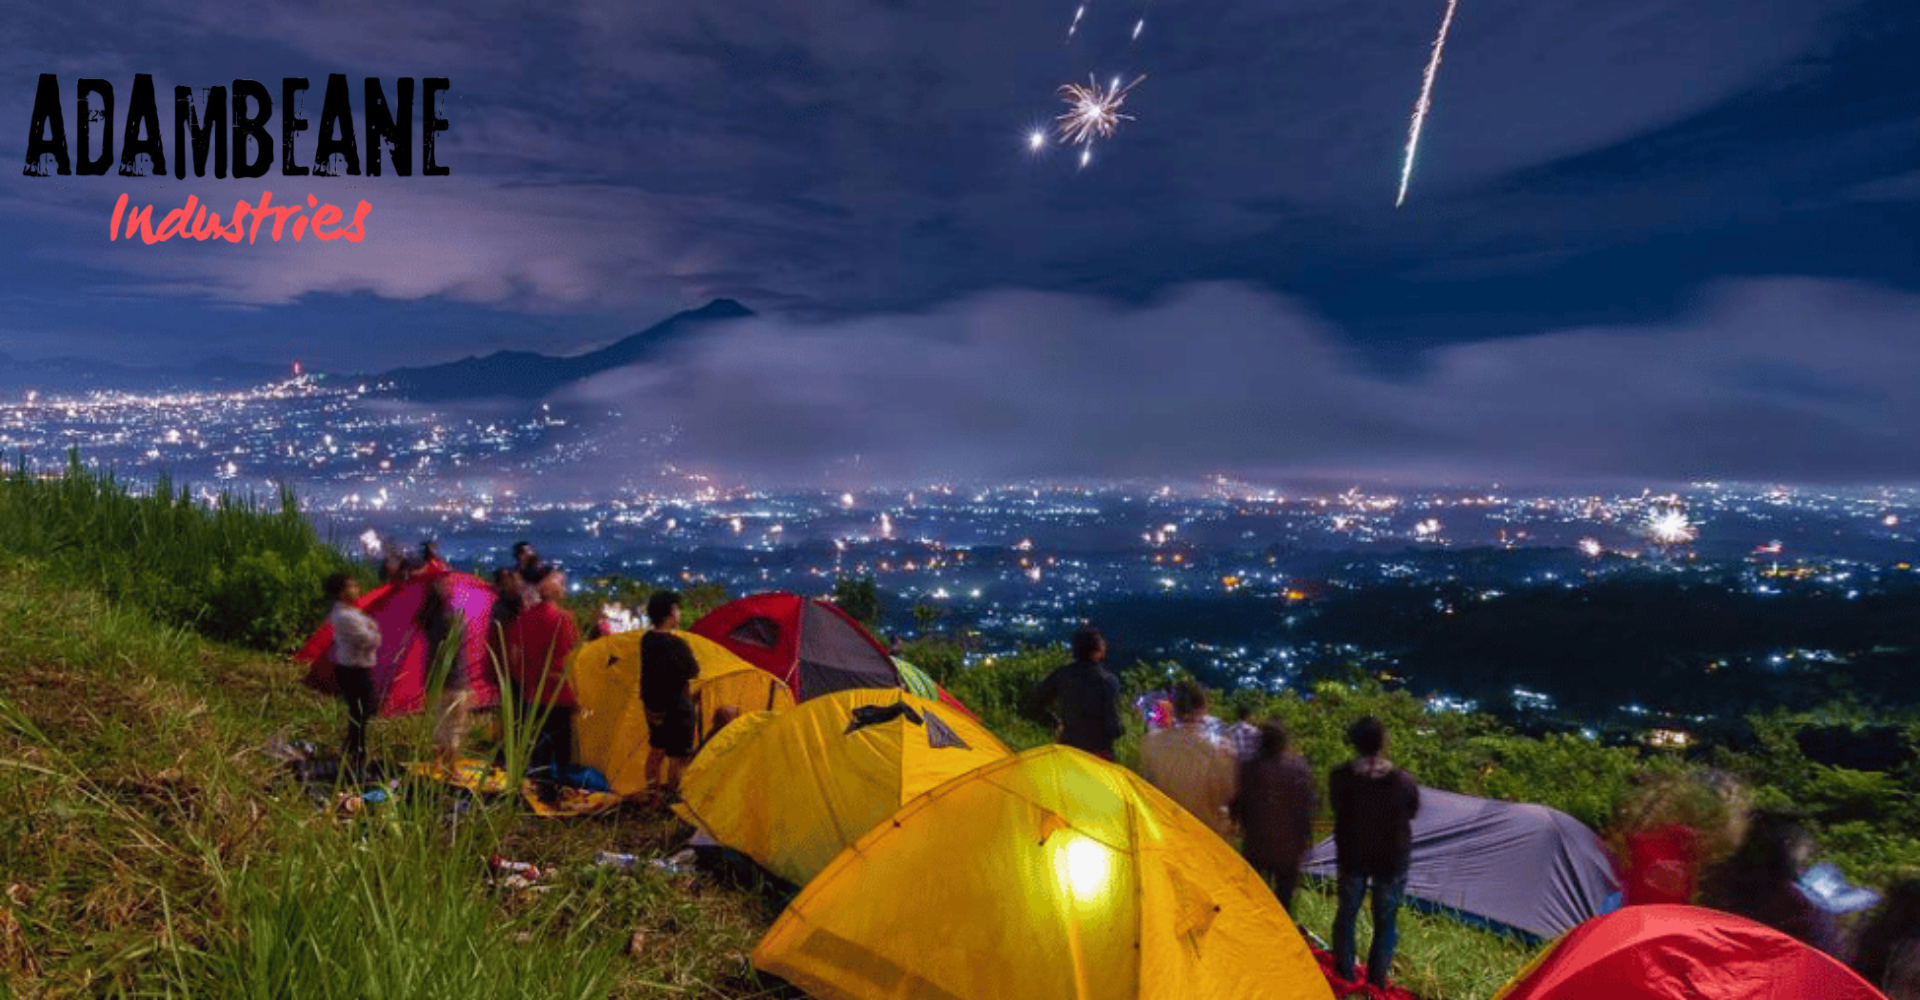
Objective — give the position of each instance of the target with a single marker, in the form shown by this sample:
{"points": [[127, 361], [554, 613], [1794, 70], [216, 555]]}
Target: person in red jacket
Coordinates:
{"points": [[540, 644]]}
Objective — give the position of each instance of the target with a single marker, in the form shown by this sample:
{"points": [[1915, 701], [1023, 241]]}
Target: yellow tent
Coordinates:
{"points": [[610, 730], [791, 790], [1050, 875]]}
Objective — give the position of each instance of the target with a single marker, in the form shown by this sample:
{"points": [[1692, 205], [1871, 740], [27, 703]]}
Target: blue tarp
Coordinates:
{"points": [[1511, 866]]}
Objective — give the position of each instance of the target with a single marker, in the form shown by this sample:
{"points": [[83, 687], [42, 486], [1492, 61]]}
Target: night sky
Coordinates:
{"points": [[1643, 239]]}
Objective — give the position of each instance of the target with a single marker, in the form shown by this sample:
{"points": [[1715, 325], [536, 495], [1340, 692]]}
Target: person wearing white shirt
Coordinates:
{"points": [[356, 648]]}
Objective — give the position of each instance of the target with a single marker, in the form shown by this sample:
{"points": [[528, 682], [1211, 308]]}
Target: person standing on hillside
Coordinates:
{"points": [[1243, 736], [1373, 808], [1274, 806], [436, 620], [540, 645], [1081, 699], [1189, 764], [528, 563], [667, 672], [1761, 881], [356, 648]]}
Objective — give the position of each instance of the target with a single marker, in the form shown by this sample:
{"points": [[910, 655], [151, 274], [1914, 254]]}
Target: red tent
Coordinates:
{"points": [[1667, 952], [400, 673], [812, 645], [809, 643]]}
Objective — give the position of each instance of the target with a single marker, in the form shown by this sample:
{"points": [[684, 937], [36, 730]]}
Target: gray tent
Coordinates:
{"points": [[1516, 867]]}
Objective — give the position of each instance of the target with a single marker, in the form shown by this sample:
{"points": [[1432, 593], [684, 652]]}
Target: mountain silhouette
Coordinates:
{"points": [[527, 375]]}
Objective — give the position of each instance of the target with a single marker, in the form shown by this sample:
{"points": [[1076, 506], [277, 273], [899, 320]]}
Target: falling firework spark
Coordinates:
{"points": [[1078, 13], [1093, 112], [1035, 140], [1425, 103]]}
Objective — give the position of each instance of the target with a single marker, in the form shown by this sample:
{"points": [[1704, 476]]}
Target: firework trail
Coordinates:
{"points": [[1425, 103], [1093, 112], [1141, 22], [1078, 13]]}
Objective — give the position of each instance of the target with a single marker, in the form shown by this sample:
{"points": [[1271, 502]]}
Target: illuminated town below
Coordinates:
{"points": [[1242, 582]]}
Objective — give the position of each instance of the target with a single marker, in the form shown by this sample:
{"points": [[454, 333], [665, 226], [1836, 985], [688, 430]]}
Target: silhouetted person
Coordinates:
{"points": [[1888, 953], [356, 648], [1080, 699], [393, 568], [1373, 808], [528, 563], [667, 672], [1761, 881], [1188, 764], [540, 644], [1274, 806], [1243, 737], [435, 619]]}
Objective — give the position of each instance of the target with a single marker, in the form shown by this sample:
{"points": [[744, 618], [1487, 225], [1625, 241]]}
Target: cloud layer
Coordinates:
{"points": [[1788, 379]]}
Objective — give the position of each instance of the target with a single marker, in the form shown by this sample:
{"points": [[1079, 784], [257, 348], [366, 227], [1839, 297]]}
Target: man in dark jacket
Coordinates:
{"points": [[1373, 808], [1081, 698], [1274, 808]]}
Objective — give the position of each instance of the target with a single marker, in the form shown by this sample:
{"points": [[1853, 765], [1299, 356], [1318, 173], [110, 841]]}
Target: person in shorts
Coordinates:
{"points": [[667, 670]]}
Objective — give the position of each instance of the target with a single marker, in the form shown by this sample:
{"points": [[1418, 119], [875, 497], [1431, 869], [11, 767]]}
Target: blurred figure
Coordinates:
{"points": [[356, 648], [1188, 764], [430, 561], [436, 621], [1243, 737], [1671, 827], [1761, 881], [1888, 952], [1080, 700], [508, 600], [1274, 807], [393, 568], [528, 564], [540, 644], [1373, 808]]}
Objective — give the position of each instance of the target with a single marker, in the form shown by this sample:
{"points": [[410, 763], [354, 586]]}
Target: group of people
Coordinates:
{"points": [[1762, 882], [1244, 778], [531, 640]]}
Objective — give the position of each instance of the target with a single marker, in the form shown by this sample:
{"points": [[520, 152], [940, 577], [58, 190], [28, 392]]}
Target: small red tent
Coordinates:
{"points": [[1667, 952], [400, 673], [812, 645], [809, 643]]}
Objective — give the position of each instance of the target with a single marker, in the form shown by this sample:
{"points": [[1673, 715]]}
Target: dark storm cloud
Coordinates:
{"points": [[843, 155], [1781, 379]]}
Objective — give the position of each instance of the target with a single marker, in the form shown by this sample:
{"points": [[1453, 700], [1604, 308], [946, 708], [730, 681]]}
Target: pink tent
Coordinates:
{"points": [[400, 673]]}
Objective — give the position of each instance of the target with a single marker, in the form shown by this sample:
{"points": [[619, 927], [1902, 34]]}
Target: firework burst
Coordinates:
{"points": [[1093, 112], [1669, 526]]}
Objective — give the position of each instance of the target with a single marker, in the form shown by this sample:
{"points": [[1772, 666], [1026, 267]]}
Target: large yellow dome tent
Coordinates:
{"points": [[1050, 875], [610, 729], [792, 790]]}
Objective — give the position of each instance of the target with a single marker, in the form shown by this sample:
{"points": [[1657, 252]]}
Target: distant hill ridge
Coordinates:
{"points": [[528, 375], [501, 375]]}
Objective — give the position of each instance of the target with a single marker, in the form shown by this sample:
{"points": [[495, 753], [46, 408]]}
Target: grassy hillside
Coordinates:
{"points": [[150, 846]]}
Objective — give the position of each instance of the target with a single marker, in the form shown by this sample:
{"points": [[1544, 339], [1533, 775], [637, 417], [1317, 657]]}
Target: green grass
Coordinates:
{"points": [[234, 569], [1437, 958], [147, 847]]}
